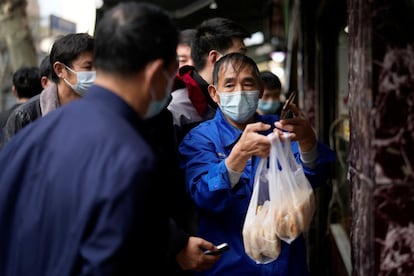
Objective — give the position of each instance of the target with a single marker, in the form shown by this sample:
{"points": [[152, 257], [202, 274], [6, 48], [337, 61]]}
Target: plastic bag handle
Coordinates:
{"points": [[282, 160]]}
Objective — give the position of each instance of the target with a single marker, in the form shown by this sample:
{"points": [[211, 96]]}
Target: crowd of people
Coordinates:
{"points": [[126, 160]]}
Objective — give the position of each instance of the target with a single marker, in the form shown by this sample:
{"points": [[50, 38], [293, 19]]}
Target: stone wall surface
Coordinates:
{"points": [[381, 82]]}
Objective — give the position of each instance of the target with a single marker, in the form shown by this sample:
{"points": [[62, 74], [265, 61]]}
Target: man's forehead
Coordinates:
{"points": [[85, 59], [231, 72]]}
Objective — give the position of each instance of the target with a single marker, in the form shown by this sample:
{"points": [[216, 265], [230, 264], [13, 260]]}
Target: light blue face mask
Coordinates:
{"points": [[84, 80], [155, 107], [268, 107], [239, 106]]}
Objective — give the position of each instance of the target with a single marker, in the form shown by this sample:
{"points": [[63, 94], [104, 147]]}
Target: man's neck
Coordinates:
{"points": [[131, 89], [206, 74], [22, 100]]}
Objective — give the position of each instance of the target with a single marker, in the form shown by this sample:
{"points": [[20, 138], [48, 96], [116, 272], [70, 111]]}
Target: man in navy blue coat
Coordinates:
{"points": [[82, 189]]}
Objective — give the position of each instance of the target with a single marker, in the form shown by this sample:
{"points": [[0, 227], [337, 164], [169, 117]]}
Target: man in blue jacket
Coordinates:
{"points": [[81, 188], [220, 158]]}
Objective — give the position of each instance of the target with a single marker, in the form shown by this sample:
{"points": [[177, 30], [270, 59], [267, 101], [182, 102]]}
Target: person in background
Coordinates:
{"points": [[191, 103], [82, 189], [220, 157], [45, 72], [184, 47], [72, 74], [270, 102], [26, 84]]}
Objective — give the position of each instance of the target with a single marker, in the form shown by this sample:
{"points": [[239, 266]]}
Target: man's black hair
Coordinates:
{"points": [[45, 68], [215, 34], [270, 80], [187, 36], [238, 61], [26, 81], [131, 35]]}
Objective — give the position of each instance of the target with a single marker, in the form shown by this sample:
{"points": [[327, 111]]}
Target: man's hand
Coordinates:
{"points": [[192, 257], [250, 143], [300, 129]]}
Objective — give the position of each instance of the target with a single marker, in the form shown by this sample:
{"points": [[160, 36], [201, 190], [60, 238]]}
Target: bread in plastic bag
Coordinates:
{"points": [[295, 201], [282, 204], [259, 230]]}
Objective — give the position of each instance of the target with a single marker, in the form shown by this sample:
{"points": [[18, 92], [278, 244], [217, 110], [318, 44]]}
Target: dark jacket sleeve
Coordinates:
{"points": [[178, 239], [20, 117], [160, 134]]}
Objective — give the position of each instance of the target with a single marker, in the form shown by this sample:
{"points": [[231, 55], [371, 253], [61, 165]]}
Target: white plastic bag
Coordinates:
{"points": [[295, 202], [282, 203], [259, 230]]}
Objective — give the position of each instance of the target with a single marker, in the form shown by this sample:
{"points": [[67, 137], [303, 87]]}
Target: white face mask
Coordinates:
{"points": [[268, 107], [155, 106], [84, 80], [239, 106]]}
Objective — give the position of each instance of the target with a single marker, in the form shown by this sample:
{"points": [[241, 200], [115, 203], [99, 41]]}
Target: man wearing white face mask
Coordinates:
{"points": [[220, 158], [270, 102], [191, 103], [72, 75]]}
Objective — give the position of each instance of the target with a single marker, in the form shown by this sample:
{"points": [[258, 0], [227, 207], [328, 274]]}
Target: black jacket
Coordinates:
{"points": [[160, 134], [21, 117]]}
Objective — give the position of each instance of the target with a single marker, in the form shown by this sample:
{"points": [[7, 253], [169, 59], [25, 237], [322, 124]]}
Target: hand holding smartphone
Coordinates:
{"points": [[286, 113], [220, 249]]}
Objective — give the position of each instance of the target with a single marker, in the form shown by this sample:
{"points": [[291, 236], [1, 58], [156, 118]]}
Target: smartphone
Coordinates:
{"points": [[286, 112], [220, 249]]}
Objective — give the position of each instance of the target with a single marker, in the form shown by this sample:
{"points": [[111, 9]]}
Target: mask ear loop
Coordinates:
{"points": [[73, 72], [70, 69]]}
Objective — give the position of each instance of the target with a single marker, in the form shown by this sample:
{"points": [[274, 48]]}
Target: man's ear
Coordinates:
{"points": [[152, 73], [14, 91], [214, 56], [44, 81], [58, 68], [213, 93], [153, 68]]}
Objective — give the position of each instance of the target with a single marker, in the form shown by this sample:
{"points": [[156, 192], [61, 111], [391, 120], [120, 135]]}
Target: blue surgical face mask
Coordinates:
{"points": [[239, 106], [268, 107], [84, 80], [155, 107]]}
